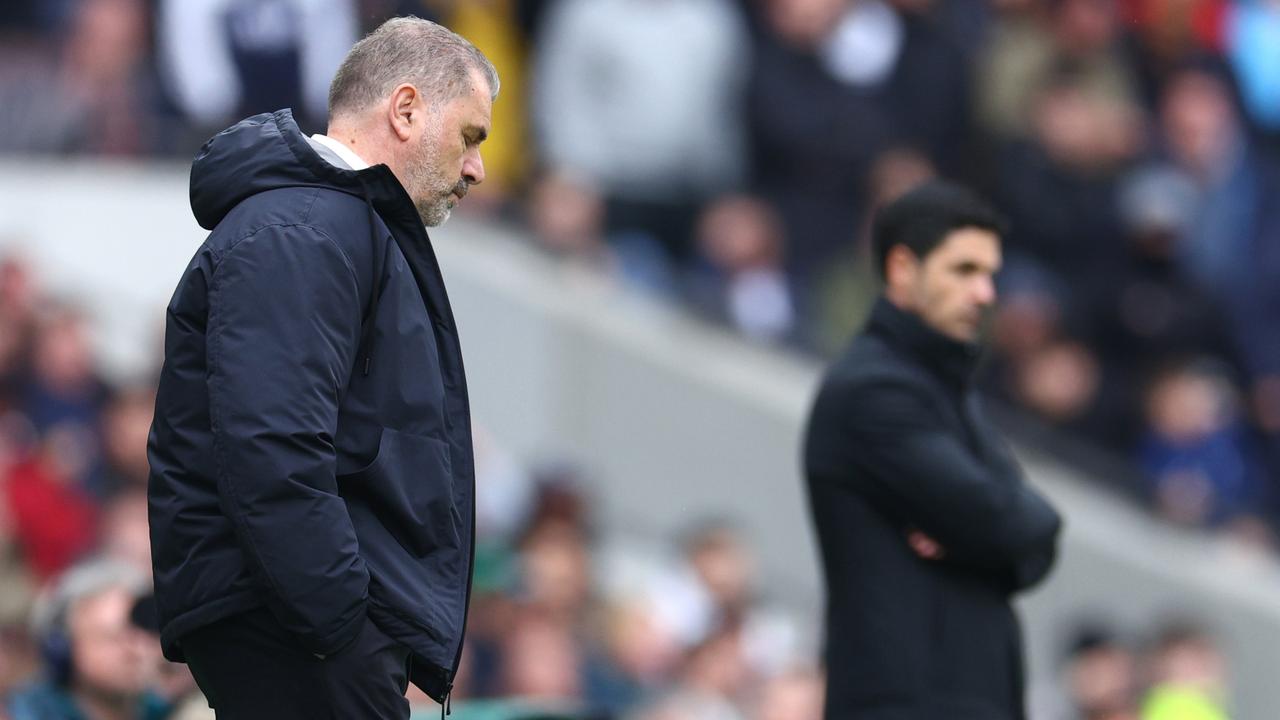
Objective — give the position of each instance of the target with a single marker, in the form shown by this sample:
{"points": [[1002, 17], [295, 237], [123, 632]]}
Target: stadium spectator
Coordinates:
{"points": [[711, 679], [742, 280], [126, 420], [1061, 383], [1059, 186], [124, 534], [90, 91], [64, 386], [1035, 42], [98, 665], [567, 217], [643, 101], [54, 521], [226, 59], [1203, 137], [719, 558], [1150, 308], [1188, 675], [634, 658], [542, 662], [555, 575], [1198, 456], [64, 397], [1230, 248], [1101, 677]]}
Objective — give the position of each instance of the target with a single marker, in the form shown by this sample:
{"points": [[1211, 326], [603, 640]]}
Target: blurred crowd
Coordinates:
{"points": [[1177, 673], [727, 154]]}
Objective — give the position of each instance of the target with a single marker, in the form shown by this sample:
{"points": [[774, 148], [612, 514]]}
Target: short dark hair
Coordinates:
{"points": [[921, 218]]}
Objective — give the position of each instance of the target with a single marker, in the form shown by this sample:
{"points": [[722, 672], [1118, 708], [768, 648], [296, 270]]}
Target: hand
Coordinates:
{"points": [[924, 546]]}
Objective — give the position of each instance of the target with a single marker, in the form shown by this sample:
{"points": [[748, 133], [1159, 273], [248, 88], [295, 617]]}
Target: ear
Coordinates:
{"points": [[901, 266], [404, 110]]}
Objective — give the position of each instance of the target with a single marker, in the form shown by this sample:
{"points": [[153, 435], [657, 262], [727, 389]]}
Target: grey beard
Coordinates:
{"points": [[434, 214]]}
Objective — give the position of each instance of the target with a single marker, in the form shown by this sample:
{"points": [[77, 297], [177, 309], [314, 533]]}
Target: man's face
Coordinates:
{"points": [[954, 286], [446, 160], [109, 653]]}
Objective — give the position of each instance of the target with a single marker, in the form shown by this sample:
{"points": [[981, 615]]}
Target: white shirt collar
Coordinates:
{"points": [[348, 155]]}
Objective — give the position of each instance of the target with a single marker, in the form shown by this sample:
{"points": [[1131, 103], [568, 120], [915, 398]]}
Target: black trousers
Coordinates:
{"points": [[250, 668]]}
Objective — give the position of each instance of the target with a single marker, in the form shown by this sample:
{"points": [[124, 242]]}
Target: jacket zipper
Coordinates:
{"points": [[446, 707], [417, 231]]}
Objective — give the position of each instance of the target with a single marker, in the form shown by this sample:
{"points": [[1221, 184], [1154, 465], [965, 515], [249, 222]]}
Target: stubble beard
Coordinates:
{"points": [[430, 189], [434, 211]]}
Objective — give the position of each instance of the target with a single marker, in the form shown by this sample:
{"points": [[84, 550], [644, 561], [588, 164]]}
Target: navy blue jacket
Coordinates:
{"points": [[311, 450], [898, 441]]}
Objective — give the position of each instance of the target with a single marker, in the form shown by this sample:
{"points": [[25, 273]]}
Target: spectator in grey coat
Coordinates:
{"points": [[642, 99]]}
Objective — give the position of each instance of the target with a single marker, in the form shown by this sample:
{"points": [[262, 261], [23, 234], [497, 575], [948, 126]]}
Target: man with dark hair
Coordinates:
{"points": [[925, 523], [312, 474]]}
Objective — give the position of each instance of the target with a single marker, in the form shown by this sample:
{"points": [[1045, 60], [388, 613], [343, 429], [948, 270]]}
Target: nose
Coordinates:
{"points": [[984, 291], [473, 167]]}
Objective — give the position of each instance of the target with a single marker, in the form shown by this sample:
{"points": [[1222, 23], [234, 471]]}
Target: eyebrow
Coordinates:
{"points": [[974, 265]]}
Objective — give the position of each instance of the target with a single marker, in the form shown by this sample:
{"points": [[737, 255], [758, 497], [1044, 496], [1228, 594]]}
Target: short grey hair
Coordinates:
{"points": [[436, 60], [89, 578]]}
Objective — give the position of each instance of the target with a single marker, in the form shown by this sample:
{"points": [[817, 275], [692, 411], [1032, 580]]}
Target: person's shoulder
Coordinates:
{"points": [[870, 365], [41, 700], [294, 210], [305, 204]]}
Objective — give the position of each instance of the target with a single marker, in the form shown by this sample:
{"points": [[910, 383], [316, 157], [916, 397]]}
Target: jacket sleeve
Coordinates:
{"points": [[283, 330], [924, 476]]}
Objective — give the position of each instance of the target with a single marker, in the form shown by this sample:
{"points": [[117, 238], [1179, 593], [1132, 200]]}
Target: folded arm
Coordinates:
{"points": [[920, 473]]}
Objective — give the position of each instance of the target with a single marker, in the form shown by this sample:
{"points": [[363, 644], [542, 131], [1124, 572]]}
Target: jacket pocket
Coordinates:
{"points": [[409, 488]]}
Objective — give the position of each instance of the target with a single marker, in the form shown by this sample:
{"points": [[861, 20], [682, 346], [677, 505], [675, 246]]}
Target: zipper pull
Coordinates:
{"points": [[446, 703]]}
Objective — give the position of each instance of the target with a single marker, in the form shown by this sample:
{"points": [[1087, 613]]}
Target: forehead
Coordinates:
{"points": [[109, 607], [972, 245]]}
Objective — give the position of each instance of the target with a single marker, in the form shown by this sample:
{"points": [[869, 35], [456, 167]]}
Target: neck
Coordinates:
{"points": [[98, 705], [898, 297], [361, 141], [950, 358]]}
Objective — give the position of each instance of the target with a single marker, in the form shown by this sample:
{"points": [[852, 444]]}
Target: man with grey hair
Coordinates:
{"points": [[96, 662], [312, 476]]}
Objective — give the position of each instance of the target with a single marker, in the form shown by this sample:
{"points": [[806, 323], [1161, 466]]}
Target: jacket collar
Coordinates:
{"points": [[952, 360]]}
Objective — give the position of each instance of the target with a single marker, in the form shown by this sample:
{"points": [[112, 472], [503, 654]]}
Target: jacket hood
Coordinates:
{"points": [[261, 153]]}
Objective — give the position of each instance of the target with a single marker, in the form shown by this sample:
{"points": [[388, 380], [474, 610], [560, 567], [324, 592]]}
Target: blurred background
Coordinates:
{"points": [[671, 241]]}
